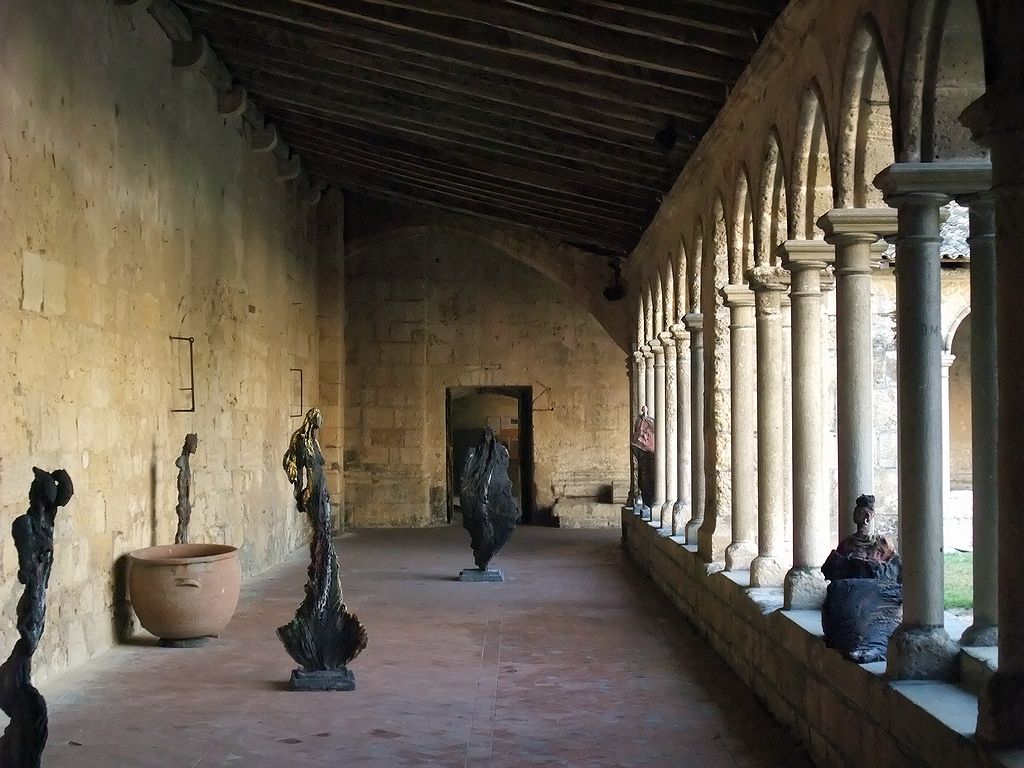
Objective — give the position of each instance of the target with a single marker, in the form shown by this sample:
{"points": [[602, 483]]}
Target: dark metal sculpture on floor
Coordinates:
{"points": [[184, 507], [323, 637], [22, 743], [489, 510], [864, 602]]}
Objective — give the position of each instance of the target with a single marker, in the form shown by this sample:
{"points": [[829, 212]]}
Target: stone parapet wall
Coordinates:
{"points": [[846, 714], [132, 212]]}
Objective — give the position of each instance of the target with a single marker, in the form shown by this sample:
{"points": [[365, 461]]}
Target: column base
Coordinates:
{"points": [[692, 529], [666, 514], [680, 514], [1001, 711], [804, 589], [921, 653], [980, 635], [739, 554], [767, 571]]}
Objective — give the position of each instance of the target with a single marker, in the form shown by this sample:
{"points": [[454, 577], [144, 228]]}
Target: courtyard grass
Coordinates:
{"points": [[959, 581]]}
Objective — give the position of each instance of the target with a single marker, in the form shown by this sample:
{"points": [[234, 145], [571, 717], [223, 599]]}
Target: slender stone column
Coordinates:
{"points": [[659, 431], [740, 301], [787, 417], [804, 585], [649, 399], [640, 389], [946, 361], [984, 421], [920, 648], [668, 342], [769, 567], [681, 509], [695, 325], [855, 233], [633, 411], [997, 120]]}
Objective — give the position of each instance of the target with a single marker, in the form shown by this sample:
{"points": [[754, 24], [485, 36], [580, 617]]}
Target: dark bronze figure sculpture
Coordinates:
{"points": [[323, 637], [864, 602], [22, 743], [184, 507], [489, 510]]}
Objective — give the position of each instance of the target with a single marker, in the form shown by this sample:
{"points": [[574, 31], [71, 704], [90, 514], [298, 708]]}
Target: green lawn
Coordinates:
{"points": [[959, 581]]}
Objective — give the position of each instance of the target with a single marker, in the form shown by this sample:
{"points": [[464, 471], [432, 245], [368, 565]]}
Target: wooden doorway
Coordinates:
{"points": [[508, 411]]}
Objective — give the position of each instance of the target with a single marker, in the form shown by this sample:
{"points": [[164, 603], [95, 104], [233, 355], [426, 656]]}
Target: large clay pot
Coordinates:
{"points": [[184, 591]]}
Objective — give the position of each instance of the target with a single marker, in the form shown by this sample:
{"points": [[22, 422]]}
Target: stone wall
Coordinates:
{"points": [[131, 212], [442, 309]]}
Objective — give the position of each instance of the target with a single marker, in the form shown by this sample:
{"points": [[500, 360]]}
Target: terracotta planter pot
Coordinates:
{"points": [[184, 591]]}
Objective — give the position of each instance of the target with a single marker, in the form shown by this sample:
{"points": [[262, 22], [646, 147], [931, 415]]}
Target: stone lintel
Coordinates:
{"points": [[694, 322], [737, 295], [852, 225], [767, 278], [943, 179]]}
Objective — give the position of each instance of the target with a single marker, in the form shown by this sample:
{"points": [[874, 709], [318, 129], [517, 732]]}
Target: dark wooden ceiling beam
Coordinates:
{"points": [[372, 158], [260, 34], [612, 201], [536, 34], [280, 61], [583, 178], [389, 107], [635, 84]]}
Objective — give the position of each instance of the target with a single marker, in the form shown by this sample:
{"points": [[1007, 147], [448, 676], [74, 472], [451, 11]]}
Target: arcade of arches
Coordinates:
{"points": [[824, 304]]}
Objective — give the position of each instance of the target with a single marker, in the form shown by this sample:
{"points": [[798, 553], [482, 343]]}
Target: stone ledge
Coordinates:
{"points": [[848, 714]]}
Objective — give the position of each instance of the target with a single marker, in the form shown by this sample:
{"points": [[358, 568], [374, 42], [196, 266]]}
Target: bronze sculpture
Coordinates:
{"points": [[184, 506], [23, 741], [489, 511], [324, 636]]}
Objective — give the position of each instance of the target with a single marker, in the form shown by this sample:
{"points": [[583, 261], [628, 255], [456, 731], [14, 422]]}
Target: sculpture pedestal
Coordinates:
{"points": [[187, 642], [475, 574], [323, 680]]}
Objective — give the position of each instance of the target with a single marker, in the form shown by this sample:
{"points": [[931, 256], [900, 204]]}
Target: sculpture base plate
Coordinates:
{"points": [[475, 574], [323, 680], [185, 642]]}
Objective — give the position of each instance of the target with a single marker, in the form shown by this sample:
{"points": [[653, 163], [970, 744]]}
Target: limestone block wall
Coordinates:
{"points": [[130, 212], [442, 309]]}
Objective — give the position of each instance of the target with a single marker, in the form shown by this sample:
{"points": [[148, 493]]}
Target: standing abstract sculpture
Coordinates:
{"points": [[489, 510], [323, 637], [184, 507], [22, 743]]}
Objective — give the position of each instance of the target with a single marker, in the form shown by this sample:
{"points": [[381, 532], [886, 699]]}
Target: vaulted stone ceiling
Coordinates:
{"points": [[572, 117]]}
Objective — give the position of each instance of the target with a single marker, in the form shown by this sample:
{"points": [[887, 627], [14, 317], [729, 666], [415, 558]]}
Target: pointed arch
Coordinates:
{"points": [[682, 305], [648, 313], [866, 136], [741, 251], [659, 304], [668, 284], [812, 167], [693, 264], [640, 321], [773, 206]]}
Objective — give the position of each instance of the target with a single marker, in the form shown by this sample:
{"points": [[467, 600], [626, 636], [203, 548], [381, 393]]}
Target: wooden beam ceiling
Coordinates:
{"points": [[573, 117]]}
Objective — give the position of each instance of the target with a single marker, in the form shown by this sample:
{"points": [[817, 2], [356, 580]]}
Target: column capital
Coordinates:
{"points": [[654, 346], [647, 351], [737, 296], [694, 322], [639, 356], [666, 339], [938, 181], [804, 255], [843, 226], [765, 279], [828, 279], [679, 332], [947, 360]]}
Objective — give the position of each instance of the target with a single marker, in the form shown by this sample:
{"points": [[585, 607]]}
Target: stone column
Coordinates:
{"points": [[997, 120], [649, 401], [945, 361], [681, 510], [640, 388], [805, 586], [740, 301], [659, 431], [855, 233], [920, 648], [984, 421], [633, 410], [769, 567], [695, 325], [787, 416], [668, 342]]}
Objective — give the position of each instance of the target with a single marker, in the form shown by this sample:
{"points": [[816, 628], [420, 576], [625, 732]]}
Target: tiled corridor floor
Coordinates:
{"points": [[571, 662]]}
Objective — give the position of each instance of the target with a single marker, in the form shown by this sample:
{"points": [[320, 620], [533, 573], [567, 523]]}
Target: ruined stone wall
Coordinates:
{"points": [[130, 212], [443, 310]]}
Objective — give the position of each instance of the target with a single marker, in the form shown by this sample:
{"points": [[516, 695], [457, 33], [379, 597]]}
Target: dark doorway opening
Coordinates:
{"points": [[508, 411]]}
